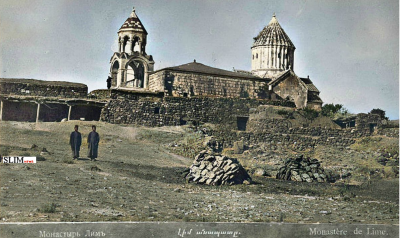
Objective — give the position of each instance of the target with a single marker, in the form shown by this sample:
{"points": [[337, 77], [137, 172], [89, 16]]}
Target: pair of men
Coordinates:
{"points": [[93, 143]]}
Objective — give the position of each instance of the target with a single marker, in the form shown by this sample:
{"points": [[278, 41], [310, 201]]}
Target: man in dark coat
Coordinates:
{"points": [[109, 82], [75, 141], [93, 143]]}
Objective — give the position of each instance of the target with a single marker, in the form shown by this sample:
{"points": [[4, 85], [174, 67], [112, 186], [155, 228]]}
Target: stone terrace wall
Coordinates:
{"points": [[171, 111], [123, 94], [33, 87], [299, 138], [389, 132]]}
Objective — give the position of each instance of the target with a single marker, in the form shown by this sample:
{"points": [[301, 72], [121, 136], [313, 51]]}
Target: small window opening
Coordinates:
{"points": [[242, 123]]}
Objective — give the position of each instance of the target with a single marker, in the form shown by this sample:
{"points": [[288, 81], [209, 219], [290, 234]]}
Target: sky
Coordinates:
{"points": [[350, 49]]}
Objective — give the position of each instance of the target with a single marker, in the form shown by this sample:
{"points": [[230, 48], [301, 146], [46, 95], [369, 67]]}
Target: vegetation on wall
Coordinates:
{"points": [[380, 112], [334, 110]]}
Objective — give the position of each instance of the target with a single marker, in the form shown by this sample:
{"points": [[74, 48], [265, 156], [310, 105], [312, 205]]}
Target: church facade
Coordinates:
{"points": [[271, 77]]}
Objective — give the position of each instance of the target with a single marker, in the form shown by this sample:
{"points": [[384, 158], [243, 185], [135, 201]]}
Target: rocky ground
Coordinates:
{"points": [[139, 176]]}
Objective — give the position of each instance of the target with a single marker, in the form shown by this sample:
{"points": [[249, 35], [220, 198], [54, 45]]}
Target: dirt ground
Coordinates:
{"points": [[138, 178]]}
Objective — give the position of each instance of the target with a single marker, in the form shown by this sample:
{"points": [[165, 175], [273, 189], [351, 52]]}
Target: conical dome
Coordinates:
{"points": [[273, 34], [133, 23], [272, 51]]}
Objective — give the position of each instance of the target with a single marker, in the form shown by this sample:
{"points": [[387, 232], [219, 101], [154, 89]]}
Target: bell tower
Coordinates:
{"points": [[272, 51], [131, 64]]}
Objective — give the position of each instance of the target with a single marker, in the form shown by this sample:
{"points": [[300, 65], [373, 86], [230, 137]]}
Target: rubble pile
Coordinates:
{"points": [[216, 169], [302, 170]]}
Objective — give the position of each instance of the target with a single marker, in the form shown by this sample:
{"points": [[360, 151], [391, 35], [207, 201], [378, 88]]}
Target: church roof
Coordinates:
{"points": [[273, 34], [312, 97], [201, 68], [310, 86], [133, 23]]}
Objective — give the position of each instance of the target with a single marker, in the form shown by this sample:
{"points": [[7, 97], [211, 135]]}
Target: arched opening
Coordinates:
{"points": [[136, 45], [135, 74], [125, 44], [114, 73]]}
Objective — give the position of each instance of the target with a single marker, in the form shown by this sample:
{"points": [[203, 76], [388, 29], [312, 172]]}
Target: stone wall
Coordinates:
{"points": [[389, 132], [180, 84], [156, 81], [33, 87], [368, 122], [299, 138], [292, 87], [123, 94], [169, 111]]}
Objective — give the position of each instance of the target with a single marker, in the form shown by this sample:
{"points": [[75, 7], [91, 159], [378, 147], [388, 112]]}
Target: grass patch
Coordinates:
{"points": [[67, 161], [377, 143], [5, 150], [157, 136], [40, 158], [48, 208], [188, 146]]}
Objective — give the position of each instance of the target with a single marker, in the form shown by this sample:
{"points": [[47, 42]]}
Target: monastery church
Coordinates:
{"points": [[271, 77]]}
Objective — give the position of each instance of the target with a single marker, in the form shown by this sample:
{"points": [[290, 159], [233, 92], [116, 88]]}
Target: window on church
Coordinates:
{"points": [[257, 56]]}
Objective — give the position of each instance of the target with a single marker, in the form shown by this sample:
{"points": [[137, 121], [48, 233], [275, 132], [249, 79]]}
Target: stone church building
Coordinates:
{"points": [[272, 73]]}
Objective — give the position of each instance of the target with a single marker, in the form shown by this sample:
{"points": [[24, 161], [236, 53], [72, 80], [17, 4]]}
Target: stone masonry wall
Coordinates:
{"points": [[156, 81], [389, 132], [368, 122], [196, 84], [32, 87], [299, 138], [292, 88], [171, 111]]}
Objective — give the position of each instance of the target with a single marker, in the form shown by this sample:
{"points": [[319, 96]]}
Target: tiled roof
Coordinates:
{"points": [[312, 97], [280, 76], [201, 68], [273, 34], [311, 87], [133, 22]]}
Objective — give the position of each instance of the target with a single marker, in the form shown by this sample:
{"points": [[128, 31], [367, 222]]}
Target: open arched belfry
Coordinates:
{"points": [[130, 66]]}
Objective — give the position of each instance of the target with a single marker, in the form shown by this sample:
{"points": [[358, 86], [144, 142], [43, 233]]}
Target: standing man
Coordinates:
{"points": [[75, 141], [109, 82], [93, 143]]}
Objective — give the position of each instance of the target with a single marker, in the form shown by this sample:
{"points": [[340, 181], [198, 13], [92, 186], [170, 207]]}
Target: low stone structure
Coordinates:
{"points": [[216, 169], [34, 87], [302, 170], [48, 101], [368, 122]]}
